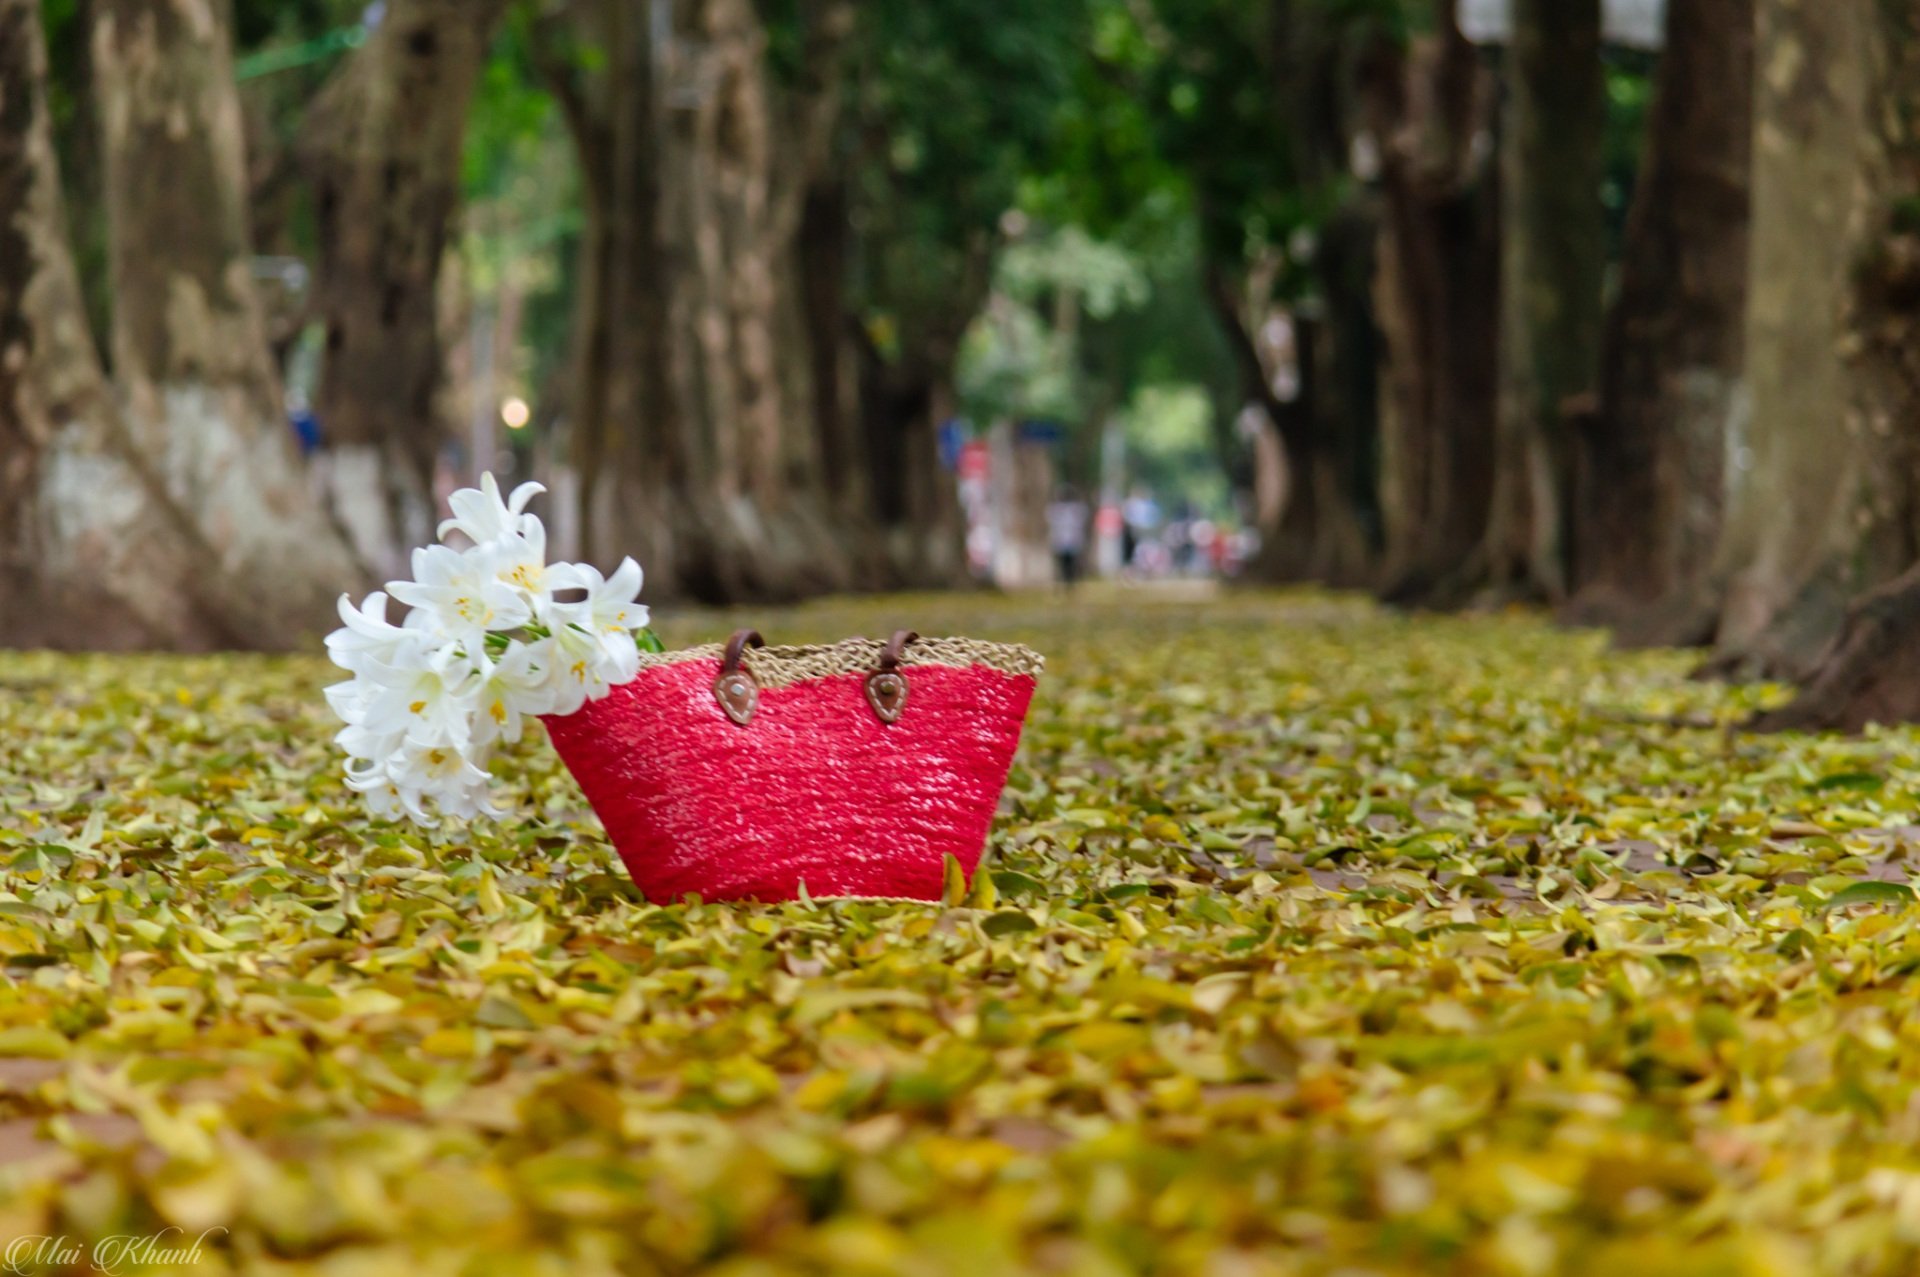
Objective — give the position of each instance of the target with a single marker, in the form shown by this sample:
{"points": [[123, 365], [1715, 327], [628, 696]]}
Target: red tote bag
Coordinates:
{"points": [[741, 772]]}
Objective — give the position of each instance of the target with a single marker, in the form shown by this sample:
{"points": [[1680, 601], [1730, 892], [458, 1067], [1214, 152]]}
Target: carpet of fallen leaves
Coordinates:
{"points": [[1315, 940]]}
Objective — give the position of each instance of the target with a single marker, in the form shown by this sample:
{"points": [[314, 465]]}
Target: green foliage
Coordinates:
{"points": [[1013, 366], [523, 218], [1235, 109], [1080, 329], [1314, 939], [1629, 99], [1103, 278], [1171, 447], [1018, 363], [947, 108]]}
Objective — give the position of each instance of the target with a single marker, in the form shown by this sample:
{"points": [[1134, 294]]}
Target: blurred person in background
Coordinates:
{"points": [[1067, 518]]}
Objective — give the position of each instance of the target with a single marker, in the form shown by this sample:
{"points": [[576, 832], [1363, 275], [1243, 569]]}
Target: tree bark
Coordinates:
{"points": [[1554, 249], [1822, 501], [1823, 511], [1345, 355], [1429, 113], [825, 253], [1287, 537], [382, 149], [191, 362], [92, 553], [1652, 472], [1867, 675], [695, 402]]}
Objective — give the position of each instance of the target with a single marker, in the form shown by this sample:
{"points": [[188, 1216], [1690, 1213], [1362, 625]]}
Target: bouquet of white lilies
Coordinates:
{"points": [[487, 644]]}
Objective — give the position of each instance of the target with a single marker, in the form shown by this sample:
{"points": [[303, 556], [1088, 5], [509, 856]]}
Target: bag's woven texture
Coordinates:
{"points": [[815, 788]]}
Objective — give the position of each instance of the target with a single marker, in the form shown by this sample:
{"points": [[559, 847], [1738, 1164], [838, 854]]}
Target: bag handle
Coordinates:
{"points": [[737, 647], [739, 692], [887, 686], [736, 689]]}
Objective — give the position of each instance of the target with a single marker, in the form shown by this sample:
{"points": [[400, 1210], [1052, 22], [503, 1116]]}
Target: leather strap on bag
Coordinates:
{"points": [[739, 692], [735, 689], [887, 686]]}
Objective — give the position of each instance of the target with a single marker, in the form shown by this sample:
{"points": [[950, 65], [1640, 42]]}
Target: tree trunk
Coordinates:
{"points": [[1824, 511], [626, 443], [1653, 471], [1870, 673], [382, 148], [92, 554], [731, 212], [1822, 503], [914, 508], [1288, 532], [1551, 277], [694, 408], [201, 396], [1430, 117], [1346, 401], [824, 259]]}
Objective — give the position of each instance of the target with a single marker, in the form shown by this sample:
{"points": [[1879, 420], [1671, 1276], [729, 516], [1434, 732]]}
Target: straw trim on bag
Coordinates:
{"points": [[785, 666]]}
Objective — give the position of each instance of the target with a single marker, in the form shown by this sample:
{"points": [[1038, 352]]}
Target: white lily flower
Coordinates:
{"points": [[595, 634], [512, 689], [463, 593], [384, 799], [427, 705], [484, 517], [368, 638], [447, 773], [519, 562], [485, 647]]}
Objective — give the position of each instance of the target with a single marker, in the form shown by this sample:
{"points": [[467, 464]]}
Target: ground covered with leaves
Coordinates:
{"points": [[1315, 940]]}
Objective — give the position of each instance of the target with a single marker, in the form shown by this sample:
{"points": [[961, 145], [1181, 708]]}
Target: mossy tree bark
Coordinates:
{"points": [[695, 399], [382, 148], [1327, 525], [1829, 508], [1652, 466], [197, 381], [1554, 248], [1429, 110], [92, 551], [1822, 498]]}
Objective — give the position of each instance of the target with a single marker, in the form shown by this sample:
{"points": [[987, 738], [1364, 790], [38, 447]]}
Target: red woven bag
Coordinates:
{"points": [[743, 771]]}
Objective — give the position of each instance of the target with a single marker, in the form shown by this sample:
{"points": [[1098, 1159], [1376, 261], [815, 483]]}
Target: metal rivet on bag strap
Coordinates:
{"points": [[735, 689], [887, 686]]}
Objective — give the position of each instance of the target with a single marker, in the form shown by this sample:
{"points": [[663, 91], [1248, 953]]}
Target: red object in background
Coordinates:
{"points": [[973, 459], [815, 786]]}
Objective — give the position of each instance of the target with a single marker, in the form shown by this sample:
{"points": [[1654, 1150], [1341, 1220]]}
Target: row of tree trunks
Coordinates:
{"points": [[381, 147], [200, 390], [738, 158], [707, 389], [1652, 472], [93, 552], [171, 512], [1429, 110]]}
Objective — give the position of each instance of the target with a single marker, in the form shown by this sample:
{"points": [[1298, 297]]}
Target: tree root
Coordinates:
{"points": [[1870, 673]]}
